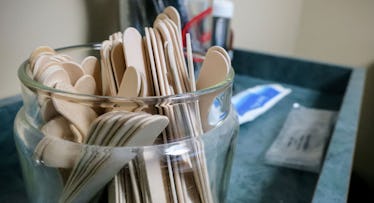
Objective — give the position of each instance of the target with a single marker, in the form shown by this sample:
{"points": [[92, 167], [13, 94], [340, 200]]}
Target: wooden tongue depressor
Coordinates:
{"points": [[223, 52], [118, 62], [180, 179], [168, 57], [91, 66], [131, 83], [149, 169], [130, 88], [79, 115], [85, 85], [108, 81], [134, 56], [173, 14], [176, 58], [74, 70], [103, 71], [152, 61], [178, 52], [214, 70]]}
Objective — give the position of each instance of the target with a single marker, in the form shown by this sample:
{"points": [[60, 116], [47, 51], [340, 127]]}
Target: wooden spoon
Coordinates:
{"points": [[39, 51], [56, 152], [79, 115], [40, 62], [58, 127], [86, 85], [47, 110], [53, 75], [73, 69]]}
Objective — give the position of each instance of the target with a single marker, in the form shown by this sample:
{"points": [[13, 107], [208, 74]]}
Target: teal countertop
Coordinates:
{"points": [[313, 84]]}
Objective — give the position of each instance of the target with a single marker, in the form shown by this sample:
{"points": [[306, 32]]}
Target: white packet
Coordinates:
{"points": [[301, 142], [255, 101]]}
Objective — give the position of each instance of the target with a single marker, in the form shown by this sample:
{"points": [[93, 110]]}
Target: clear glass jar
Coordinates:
{"points": [[190, 168]]}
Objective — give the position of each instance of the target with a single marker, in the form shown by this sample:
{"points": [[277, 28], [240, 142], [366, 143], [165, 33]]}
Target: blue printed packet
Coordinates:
{"points": [[255, 101]]}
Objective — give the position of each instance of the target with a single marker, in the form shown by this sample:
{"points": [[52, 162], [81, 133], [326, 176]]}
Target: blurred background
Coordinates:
{"points": [[334, 31]]}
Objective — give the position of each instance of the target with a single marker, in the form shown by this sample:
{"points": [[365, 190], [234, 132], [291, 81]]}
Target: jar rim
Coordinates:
{"points": [[26, 80]]}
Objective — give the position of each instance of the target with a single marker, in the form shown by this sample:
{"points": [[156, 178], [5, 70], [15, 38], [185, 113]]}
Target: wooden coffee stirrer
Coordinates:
{"points": [[179, 89], [195, 111], [178, 180], [175, 114], [159, 73], [195, 124], [177, 43]]}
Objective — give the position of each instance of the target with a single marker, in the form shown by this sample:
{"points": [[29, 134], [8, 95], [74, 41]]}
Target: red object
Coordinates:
{"points": [[194, 20]]}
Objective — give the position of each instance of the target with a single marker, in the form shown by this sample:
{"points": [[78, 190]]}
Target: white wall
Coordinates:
{"points": [[337, 31], [25, 25], [267, 25]]}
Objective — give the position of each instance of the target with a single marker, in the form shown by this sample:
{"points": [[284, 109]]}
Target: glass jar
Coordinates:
{"points": [[190, 167]]}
